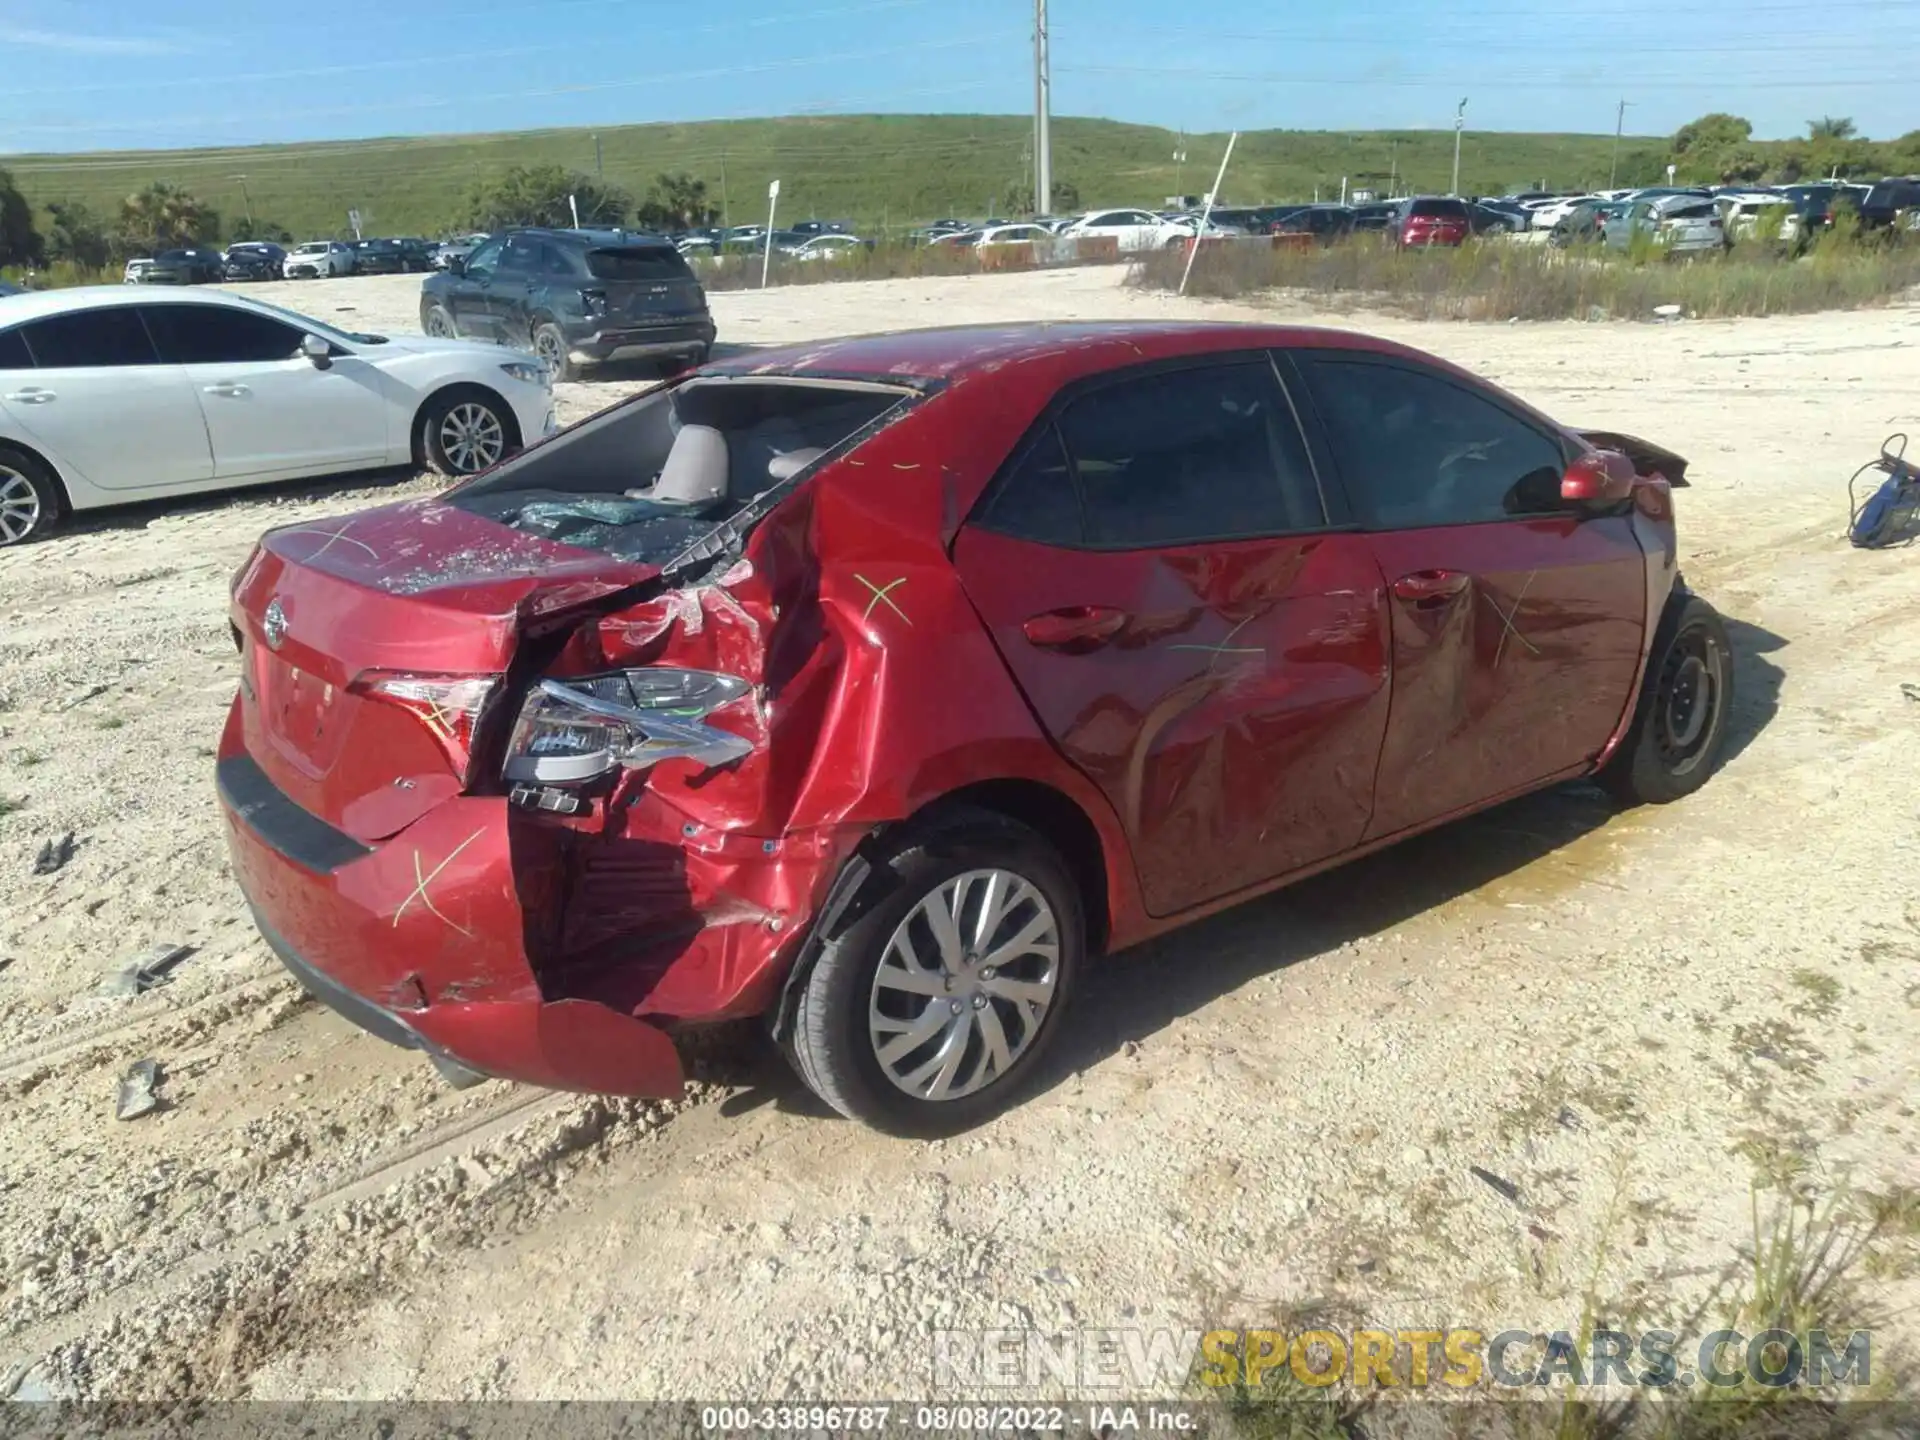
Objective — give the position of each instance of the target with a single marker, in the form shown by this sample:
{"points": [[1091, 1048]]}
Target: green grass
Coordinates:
{"points": [[879, 172], [1502, 281]]}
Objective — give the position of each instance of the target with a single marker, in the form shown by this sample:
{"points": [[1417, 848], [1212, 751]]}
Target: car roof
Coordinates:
{"points": [[1076, 348], [37, 304], [605, 236]]}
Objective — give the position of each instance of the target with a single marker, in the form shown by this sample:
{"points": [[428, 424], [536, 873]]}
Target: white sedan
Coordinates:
{"points": [[1026, 234], [318, 259], [106, 399], [828, 247], [1134, 229]]}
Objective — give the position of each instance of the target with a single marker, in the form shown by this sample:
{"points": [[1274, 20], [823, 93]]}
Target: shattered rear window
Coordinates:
{"points": [[646, 481]]}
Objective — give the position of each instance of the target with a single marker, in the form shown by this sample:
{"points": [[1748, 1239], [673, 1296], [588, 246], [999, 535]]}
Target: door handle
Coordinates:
{"points": [[31, 397], [1431, 589], [1076, 629], [229, 390]]}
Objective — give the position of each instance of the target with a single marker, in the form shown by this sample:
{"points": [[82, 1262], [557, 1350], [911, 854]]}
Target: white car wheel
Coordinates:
{"points": [[29, 500]]}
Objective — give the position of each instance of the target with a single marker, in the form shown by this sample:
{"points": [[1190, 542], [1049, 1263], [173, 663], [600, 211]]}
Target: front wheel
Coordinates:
{"points": [[438, 323], [1680, 724], [467, 432], [930, 1012]]}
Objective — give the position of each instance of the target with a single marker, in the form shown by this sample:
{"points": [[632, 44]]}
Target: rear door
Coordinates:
{"points": [[1516, 622], [511, 294], [103, 404], [1159, 570], [269, 410]]}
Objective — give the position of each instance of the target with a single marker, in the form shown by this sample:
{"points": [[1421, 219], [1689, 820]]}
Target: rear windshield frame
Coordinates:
{"points": [[910, 392], [675, 267]]}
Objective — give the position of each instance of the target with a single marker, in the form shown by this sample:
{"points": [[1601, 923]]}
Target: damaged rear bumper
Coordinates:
{"points": [[421, 941]]}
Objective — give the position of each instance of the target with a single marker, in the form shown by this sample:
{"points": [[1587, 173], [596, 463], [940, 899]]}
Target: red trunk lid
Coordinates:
{"points": [[420, 588]]}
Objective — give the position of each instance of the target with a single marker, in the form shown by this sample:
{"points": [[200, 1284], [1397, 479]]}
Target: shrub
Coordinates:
{"points": [[1501, 281]]}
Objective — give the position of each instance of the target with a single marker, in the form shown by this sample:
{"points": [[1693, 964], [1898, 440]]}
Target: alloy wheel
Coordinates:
{"points": [[472, 437], [550, 348], [964, 985], [19, 506], [437, 325]]}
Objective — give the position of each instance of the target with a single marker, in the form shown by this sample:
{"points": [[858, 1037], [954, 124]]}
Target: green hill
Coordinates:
{"points": [[877, 171]]}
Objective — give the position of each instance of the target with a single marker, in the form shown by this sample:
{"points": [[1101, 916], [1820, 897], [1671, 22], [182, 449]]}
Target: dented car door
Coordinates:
{"points": [[1159, 572]]}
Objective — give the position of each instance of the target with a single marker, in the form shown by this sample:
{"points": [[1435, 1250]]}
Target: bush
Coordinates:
{"points": [[544, 195], [1501, 281]]}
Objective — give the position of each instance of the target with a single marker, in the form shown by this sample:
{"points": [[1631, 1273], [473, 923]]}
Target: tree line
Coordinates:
{"points": [[164, 216], [1720, 149], [1717, 148]]}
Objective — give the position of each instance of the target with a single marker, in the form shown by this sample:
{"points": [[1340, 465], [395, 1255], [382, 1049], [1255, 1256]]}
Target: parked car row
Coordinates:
{"points": [[248, 260]]}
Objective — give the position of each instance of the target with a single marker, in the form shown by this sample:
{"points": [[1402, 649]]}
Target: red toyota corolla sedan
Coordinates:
{"points": [[874, 687]]}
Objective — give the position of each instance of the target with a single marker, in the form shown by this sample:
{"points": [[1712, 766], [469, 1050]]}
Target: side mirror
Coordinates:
{"points": [[317, 350], [1601, 478], [456, 264]]}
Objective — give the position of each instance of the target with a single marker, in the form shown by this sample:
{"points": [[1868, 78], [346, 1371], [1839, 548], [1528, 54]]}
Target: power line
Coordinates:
{"points": [[438, 59], [1507, 83], [149, 123]]}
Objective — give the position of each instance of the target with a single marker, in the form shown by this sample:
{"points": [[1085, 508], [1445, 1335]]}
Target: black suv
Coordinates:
{"points": [[1892, 205], [573, 297], [1323, 224], [392, 257], [190, 266]]}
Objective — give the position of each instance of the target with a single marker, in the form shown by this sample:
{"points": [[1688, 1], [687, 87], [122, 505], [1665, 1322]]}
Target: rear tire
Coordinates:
{"points": [[550, 344], [31, 501], [853, 1031], [1680, 724], [465, 431]]}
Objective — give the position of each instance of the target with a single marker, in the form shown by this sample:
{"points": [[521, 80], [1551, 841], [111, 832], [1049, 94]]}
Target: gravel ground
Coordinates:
{"points": [[1632, 1019]]}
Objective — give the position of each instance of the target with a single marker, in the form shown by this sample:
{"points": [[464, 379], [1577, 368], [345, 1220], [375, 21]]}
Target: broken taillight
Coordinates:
{"points": [[572, 732], [448, 705]]}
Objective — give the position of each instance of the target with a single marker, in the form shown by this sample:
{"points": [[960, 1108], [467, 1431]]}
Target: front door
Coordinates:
{"points": [[104, 405], [1158, 572], [470, 296], [1517, 621], [269, 409]]}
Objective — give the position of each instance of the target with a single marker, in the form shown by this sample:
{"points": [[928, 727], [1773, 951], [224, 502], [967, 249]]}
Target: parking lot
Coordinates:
{"points": [[1629, 1019]]}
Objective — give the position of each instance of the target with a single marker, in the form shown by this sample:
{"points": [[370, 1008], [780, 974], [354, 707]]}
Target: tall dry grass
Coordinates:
{"points": [[1498, 280]]}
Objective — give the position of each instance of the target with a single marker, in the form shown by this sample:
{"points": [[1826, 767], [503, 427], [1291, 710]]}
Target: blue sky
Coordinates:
{"points": [[127, 74]]}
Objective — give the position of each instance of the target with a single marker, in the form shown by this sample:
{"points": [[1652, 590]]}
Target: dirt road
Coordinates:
{"points": [[1629, 1018]]}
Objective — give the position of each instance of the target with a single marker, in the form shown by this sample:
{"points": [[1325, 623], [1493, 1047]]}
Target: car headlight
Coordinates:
{"points": [[530, 372]]}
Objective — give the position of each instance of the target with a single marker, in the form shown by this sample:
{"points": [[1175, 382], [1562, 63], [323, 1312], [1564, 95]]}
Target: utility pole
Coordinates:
{"points": [[599, 170], [1619, 129], [724, 223], [1459, 125], [1180, 166], [246, 197], [1042, 116]]}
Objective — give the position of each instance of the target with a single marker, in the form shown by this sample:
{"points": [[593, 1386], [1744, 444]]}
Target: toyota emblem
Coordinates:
{"points": [[274, 624]]}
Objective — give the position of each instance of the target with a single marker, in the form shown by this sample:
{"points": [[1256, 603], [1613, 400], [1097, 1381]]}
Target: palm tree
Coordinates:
{"points": [[1829, 127], [162, 216]]}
